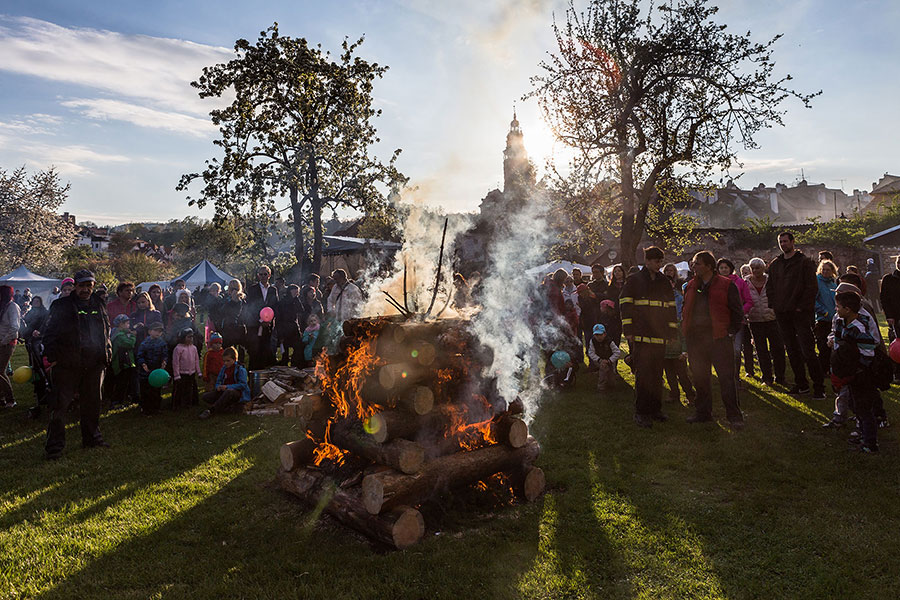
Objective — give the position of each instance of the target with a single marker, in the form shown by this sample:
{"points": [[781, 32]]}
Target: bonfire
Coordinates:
{"points": [[407, 413]]}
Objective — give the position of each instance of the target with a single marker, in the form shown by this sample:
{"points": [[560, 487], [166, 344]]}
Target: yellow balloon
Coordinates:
{"points": [[22, 374]]}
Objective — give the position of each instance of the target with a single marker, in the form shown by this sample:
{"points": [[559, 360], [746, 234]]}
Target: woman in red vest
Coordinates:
{"points": [[711, 315]]}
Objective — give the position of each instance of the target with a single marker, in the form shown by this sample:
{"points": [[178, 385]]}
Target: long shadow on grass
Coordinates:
{"points": [[145, 450], [576, 555], [753, 514], [245, 540]]}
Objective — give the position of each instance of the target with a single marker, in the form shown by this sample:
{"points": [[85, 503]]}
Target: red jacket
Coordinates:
{"points": [[116, 307], [719, 311], [212, 364]]}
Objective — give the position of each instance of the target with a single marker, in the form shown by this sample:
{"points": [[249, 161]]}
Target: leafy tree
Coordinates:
{"points": [[32, 232], [218, 243], [120, 243], [583, 219], [74, 258], [652, 92], [300, 126], [137, 268]]}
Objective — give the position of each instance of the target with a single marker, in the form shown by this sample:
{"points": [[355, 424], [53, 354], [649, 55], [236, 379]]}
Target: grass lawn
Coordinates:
{"points": [[181, 508]]}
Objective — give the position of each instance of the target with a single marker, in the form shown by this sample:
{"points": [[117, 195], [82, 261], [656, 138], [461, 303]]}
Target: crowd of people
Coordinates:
{"points": [[794, 310], [101, 350]]}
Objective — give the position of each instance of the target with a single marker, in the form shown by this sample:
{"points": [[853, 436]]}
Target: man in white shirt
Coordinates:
{"points": [[345, 298]]}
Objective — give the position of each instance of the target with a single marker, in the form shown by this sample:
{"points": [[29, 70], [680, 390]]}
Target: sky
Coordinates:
{"points": [[101, 90]]}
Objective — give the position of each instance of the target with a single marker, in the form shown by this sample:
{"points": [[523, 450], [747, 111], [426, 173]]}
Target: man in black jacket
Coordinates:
{"points": [[259, 333], [76, 344], [648, 321], [287, 325], [791, 290], [890, 304]]}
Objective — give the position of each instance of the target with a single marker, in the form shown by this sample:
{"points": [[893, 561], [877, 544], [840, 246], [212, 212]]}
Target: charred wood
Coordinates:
{"points": [[386, 489], [398, 528]]}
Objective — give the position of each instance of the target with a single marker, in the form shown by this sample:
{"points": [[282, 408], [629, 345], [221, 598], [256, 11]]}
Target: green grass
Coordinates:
{"points": [[180, 508]]}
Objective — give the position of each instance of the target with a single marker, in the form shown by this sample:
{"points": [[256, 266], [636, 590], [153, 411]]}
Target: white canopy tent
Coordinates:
{"points": [[203, 273], [21, 278], [550, 267]]}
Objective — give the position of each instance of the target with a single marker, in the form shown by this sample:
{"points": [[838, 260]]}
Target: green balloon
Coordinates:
{"points": [[158, 378]]}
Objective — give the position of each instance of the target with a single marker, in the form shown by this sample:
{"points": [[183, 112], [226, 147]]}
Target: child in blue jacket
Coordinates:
{"points": [[232, 391]]}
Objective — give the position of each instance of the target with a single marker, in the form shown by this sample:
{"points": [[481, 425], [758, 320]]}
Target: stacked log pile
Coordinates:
{"points": [[403, 417]]}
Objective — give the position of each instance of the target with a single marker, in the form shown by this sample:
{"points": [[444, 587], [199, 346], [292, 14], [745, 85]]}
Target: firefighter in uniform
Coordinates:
{"points": [[647, 304]]}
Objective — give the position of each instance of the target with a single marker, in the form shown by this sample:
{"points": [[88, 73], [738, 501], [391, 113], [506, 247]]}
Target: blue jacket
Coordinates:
{"points": [[825, 298], [240, 377], [309, 339], [152, 352]]}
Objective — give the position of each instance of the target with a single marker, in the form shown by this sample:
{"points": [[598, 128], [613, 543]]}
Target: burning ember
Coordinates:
{"points": [[326, 451]]}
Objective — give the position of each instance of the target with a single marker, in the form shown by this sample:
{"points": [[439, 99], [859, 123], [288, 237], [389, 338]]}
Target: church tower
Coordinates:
{"points": [[518, 173]]}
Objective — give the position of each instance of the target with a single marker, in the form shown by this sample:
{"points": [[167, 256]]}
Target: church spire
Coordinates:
{"points": [[517, 170]]}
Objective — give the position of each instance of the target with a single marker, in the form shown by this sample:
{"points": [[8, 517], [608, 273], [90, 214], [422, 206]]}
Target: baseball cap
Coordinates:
{"points": [[84, 275]]}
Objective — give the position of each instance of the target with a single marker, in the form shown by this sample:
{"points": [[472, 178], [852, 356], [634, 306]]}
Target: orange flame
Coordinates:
{"points": [[344, 384], [470, 435], [328, 451], [499, 486]]}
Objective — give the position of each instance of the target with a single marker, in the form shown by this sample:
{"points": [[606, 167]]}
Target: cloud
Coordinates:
{"points": [[72, 159], [143, 116], [34, 124], [154, 69]]}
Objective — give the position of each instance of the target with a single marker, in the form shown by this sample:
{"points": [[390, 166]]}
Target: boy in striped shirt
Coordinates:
{"points": [[852, 331]]}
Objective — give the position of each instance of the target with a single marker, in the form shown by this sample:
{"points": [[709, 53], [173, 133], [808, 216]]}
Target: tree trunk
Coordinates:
{"points": [[399, 528], [386, 489], [299, 243], [317, 236], [630, 237]]}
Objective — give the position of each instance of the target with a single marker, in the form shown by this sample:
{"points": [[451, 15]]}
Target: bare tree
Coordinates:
{"points": [[656, 97]]}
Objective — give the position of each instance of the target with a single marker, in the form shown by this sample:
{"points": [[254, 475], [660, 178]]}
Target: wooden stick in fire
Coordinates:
{"points": [[405, 296], [437, 280], [395, 304]]}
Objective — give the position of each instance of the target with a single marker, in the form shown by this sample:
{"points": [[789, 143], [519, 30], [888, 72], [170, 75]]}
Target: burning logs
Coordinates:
{"points": [[403, 455], [386, 489], [399, 528], [297, 454], [403, 414]]}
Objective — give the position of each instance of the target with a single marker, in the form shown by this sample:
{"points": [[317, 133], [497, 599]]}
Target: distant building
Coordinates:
{"points": [[160, 253], [885, 192], [96, 238], [519, 182], [730, 206]]}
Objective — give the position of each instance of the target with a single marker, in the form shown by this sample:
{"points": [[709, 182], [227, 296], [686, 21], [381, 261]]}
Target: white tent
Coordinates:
{"points": [[559, 264], [21, 278], [204, 272]]}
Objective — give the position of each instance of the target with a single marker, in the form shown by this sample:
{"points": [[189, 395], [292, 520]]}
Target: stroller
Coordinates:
{"points": [[40, 378]]}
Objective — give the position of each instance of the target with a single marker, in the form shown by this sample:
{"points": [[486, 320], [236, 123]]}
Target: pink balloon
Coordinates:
{"points": [[894, 350], [267, 314]]}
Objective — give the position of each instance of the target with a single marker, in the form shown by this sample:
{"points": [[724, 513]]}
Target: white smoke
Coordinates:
{"points": [[510, 322], [418, 259], [513, 320]]}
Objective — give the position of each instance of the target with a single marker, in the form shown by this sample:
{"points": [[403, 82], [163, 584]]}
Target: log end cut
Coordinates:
{"points": [[297, 454], [412, 457], [372, 494], [534, 484], [408, 528], [518, 433]]}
